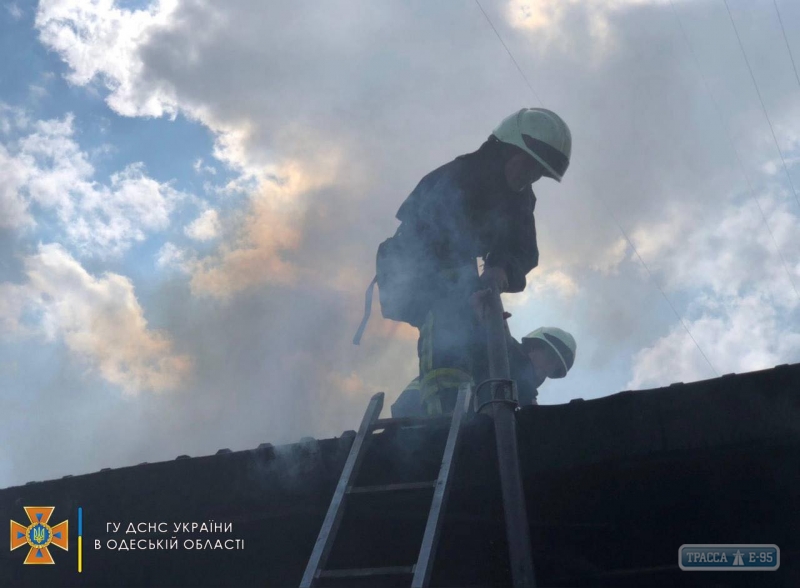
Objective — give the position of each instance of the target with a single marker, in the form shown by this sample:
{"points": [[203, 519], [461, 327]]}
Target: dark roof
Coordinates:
{"points": [[614, 487]]}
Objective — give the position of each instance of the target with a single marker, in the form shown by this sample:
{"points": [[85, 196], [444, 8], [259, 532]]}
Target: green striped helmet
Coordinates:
{"points": [[542, 134], [559, 341]]}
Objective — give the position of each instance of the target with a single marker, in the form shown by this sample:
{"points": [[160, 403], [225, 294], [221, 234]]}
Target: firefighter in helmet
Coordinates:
{"points": [[480, 205], [547, 352]]}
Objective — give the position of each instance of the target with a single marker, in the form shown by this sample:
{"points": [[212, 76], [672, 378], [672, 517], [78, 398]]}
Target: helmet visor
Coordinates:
{"points": [[555, 161]]}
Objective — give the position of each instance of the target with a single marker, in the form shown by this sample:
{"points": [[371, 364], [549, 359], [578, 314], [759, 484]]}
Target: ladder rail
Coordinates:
{"points": [[430, 539], [421, 570], [333, 517]]}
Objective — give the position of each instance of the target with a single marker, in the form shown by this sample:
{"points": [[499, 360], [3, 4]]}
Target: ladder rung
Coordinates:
{"points": [[363, 572], [421, 570], [408, 422], [391, 487]]}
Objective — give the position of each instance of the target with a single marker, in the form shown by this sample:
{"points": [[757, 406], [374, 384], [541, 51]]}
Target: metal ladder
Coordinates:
{"points": [[421, 571]]}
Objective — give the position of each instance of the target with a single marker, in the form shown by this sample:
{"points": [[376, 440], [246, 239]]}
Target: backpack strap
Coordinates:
{"points": [[367, 311]]}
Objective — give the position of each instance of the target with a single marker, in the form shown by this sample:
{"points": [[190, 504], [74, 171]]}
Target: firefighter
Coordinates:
{"points": [[478, 205], [547, 352]]}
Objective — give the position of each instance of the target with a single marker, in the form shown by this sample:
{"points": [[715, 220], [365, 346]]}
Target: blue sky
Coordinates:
{"points": [[191, 196]]}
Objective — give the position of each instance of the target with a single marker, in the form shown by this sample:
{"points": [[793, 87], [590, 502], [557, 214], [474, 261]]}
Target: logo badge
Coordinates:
{"points": [[729, 557], [39, 535]]}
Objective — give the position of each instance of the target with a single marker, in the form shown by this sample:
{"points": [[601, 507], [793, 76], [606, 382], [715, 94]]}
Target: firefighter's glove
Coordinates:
{"points": [[478, 301]]}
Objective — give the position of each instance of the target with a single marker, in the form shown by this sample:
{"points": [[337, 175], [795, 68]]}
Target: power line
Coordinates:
{"points": [[789, 49], [519, 69], [655, 282], [733, 146], [610, 212], [763, 108]]}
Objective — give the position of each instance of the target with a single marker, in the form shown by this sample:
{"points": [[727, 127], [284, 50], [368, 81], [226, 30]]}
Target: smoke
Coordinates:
{"points": [[329, 115]]}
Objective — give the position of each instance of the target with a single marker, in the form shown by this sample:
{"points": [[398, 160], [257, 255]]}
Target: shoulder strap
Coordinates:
{"points": [[367, 311]]}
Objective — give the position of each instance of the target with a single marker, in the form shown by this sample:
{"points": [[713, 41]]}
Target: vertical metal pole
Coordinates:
{"points": [[505, 430]]}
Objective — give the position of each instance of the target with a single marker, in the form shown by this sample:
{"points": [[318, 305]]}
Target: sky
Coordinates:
{"points": [[192, 193]]}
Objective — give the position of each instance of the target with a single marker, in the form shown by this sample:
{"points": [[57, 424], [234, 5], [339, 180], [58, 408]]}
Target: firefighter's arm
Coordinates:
{"points": [[515, 249], [495, 277]]}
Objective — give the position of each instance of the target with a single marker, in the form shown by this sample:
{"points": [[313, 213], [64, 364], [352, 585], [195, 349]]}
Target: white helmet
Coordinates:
{"points": [[542, 134], [559, 341]]}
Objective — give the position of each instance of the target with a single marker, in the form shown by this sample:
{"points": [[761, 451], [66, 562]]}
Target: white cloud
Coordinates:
{"points": [[609, 260], [99, 39], [48, 167], [270, 228], [13, 302], [205, 227], [87, 34], [154, 62], [726, 249], [774, 167], [98, 318], [14, 10], [12, 118], [171, 256], [543, 283], [36, 91], [200, 168], [645, 139], [743, 307], [738, 335], [548, 17], [13, 206]]}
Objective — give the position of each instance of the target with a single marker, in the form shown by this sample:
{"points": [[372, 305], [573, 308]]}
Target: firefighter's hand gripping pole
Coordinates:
{"points": [[502, 408]]}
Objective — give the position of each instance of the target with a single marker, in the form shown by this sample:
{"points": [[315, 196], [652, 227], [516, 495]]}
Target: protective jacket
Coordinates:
{"points": [[459, 212], [465, 209]]}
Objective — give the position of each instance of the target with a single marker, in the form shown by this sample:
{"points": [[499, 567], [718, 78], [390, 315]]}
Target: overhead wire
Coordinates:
{"points": [[761, 101], [785, 40], [607, 207], [732, 145], [514, 61]]}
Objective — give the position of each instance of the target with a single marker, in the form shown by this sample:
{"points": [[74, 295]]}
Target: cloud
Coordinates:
{"points": [[742, 334], [13, 206], [13, 301], [47, 167], [98, 318], [727, 250], [254, 259], [99, 39], [554, 283], [645, 136], [170, 256], [330, 118], [608, 262], [744, 310], [14, 10], [11, 118], [548, 18], [269, 229], [199, 167], [205, 227]]}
